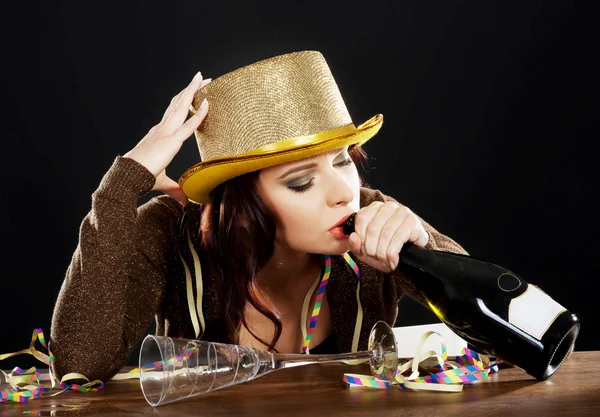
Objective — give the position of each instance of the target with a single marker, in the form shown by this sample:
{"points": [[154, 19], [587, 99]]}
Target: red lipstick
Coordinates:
{"points": [[337, 230], [342, 220]]}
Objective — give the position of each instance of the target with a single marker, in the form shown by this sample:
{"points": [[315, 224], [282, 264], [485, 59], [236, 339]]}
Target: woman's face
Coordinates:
{"points": [[308, 197]]}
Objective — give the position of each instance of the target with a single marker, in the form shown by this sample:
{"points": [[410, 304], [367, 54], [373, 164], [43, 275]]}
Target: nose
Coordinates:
{"points": [[340, 192]]}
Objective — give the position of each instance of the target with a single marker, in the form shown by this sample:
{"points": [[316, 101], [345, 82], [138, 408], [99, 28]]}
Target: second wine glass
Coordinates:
{"points": [[173, 369]]}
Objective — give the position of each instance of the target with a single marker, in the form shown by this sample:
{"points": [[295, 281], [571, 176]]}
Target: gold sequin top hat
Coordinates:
{"points": [[274, 111]]}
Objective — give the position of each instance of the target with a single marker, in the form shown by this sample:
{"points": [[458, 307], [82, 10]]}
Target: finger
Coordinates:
{"points": [[390, 228], [188, 128], [175, 101], [181, 108], [192, 109], [382, 266], [172, 104], [354, 242], [371, 238], [364, 217], [399, 239], [422, 237]]}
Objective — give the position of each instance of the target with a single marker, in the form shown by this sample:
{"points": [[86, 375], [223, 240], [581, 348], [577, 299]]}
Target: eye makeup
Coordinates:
{"points": [[301, 185]]}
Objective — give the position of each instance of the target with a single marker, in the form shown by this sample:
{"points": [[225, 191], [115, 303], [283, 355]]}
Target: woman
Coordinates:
{"points": [[242, 248]]}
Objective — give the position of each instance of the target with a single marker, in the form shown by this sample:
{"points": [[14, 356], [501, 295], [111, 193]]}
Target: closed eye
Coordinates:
{"points": [[305, 187]]}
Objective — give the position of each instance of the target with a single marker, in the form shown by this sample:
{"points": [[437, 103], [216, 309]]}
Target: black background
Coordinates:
{"points": [[490, 129]]}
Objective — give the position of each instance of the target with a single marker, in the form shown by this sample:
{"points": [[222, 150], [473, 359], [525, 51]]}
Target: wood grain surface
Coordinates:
{"points": [[319, 390]]}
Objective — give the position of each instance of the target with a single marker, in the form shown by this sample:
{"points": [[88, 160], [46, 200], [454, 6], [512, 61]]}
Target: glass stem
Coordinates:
{"points": [[289, 360]]}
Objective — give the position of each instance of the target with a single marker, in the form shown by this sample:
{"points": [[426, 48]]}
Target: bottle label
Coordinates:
{"points": [[534, 311]]}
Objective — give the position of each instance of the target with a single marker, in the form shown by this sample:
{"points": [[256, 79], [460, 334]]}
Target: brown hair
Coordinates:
{"points": [[237, 233]]}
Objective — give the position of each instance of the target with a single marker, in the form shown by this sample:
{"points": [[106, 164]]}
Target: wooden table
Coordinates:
{"points": [[318, 390]]}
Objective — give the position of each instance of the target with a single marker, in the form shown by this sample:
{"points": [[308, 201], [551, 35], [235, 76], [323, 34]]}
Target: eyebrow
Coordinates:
{"points": [[309, 165]]}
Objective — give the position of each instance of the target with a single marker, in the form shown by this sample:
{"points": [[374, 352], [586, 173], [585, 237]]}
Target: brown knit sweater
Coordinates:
{"points": [[126, 271]]}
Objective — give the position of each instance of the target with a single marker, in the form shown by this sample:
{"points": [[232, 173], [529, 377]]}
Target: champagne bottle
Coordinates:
{"points": [[491, 308]]}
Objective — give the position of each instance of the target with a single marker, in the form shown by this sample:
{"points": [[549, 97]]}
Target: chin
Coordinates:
{"points": [[336, 248]]}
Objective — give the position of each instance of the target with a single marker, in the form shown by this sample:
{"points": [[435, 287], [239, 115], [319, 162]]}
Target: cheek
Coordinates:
{"points": [[297, 216], [353, 180]]}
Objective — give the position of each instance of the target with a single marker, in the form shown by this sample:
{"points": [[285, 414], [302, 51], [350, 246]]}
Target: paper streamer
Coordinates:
{"points": [[27, 384], [318, 302], [445, 375]]}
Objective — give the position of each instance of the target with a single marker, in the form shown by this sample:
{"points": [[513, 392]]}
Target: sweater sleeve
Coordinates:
{"points": [[115, 282], [437, 241]]}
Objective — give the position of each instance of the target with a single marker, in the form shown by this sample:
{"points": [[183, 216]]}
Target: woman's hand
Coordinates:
{"points": [[157, 149], [381, 229]]}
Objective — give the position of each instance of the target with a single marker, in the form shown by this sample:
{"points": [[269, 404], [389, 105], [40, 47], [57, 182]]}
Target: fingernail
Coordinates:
{"points": [[203, 104], [392, 265], [363, 251], [207, 80], [197, 76]]}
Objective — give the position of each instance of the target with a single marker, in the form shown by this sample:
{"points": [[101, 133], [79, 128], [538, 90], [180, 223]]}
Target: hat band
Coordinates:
{"points": [[288, 145], [299, 141]]}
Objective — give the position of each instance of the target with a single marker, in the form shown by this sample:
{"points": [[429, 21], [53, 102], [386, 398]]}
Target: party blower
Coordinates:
{"points": [[174, 369]]}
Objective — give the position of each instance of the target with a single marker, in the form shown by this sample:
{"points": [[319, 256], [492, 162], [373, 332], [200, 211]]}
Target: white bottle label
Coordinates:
{"points": [[533, 311]]}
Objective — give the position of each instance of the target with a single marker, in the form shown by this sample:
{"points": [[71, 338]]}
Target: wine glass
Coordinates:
{"points": [[173, 369]]}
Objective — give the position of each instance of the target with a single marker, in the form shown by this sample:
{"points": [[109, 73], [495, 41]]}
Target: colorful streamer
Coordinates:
{"points": [[27, 383], [445, 375], [317, 306]]}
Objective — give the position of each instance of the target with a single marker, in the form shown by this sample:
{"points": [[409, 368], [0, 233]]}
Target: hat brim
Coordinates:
{"points": [[201, 179]]}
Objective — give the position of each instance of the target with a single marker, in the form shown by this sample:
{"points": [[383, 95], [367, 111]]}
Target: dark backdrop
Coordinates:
{"points": [[489, 134]]}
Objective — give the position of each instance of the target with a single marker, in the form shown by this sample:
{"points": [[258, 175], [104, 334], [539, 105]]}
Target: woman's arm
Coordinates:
{"points": [[115, 282]]}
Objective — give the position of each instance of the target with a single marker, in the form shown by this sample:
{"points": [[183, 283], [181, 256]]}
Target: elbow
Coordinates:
{"points": [[93, 364]]}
